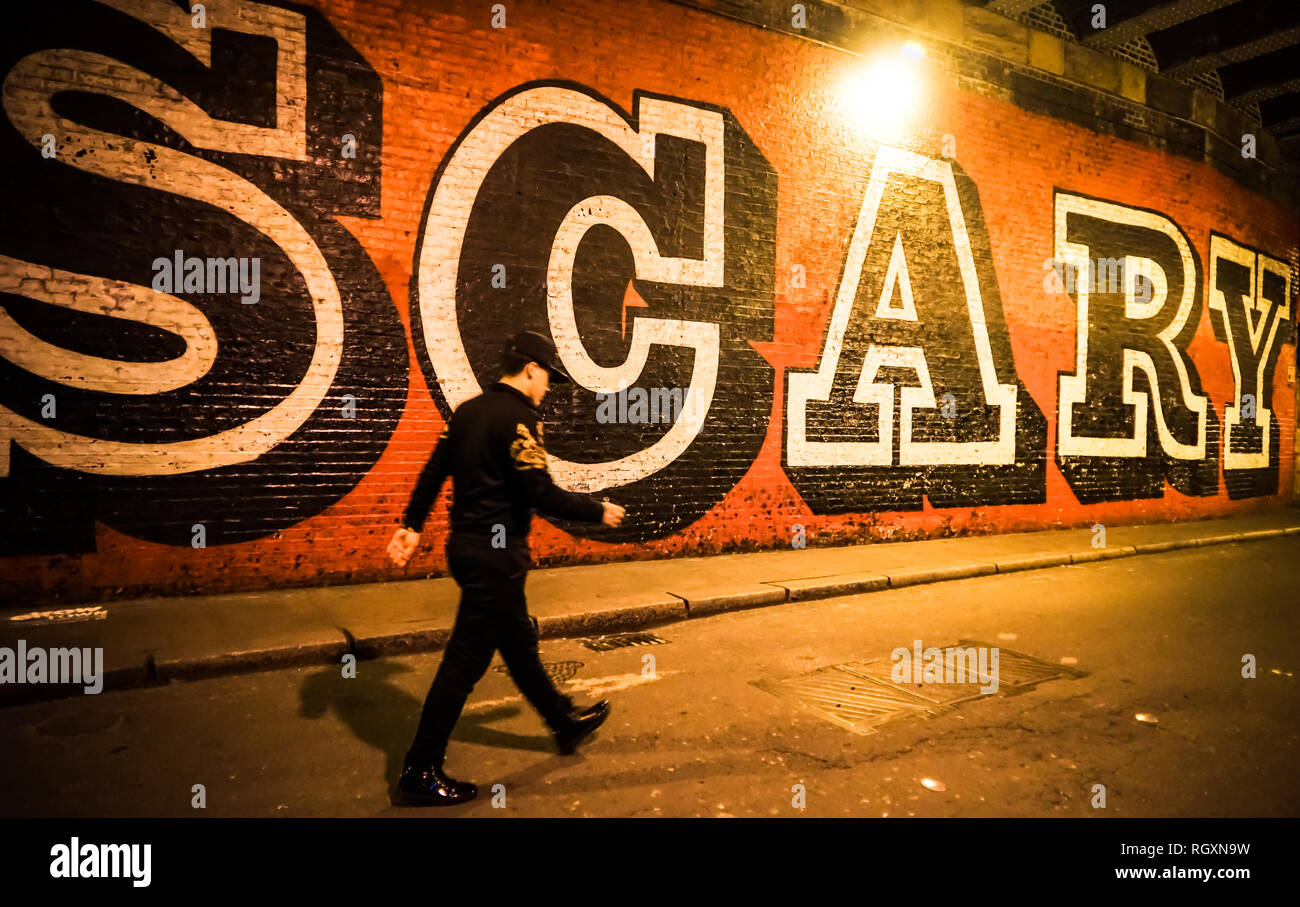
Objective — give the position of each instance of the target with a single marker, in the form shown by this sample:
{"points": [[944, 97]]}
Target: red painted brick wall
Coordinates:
{"points": [[440, 65]]}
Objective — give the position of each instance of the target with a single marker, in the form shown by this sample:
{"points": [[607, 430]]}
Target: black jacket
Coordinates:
{"points": [[492, 449]]}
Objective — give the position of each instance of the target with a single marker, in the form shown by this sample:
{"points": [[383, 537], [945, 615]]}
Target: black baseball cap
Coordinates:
{"points": [[539, 349]]}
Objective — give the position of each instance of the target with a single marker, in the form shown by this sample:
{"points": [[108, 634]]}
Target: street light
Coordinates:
{"points": [[882, 97]]}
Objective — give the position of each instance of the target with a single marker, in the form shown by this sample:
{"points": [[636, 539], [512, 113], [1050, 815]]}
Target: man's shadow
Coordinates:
{"points": [[384, 716]]}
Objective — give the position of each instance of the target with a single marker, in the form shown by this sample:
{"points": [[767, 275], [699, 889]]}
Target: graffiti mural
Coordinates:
{"points": [[1132, 413], [145, 371], [915, 392], [1250, 305], [670, 212], [241, 232]]}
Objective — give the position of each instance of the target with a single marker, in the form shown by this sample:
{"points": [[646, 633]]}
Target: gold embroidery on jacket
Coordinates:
{"points": [[526, 451]]}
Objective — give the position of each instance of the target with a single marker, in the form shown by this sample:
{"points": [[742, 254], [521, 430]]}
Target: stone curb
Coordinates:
{"points": [[1158, 547], [1102, 554], [425, 639], [250, 661], [1031, 562], [116, 679], [671, 609], [589, 623], [1263, 534], [1220, 539], [735, 601], [831, 586], [920, 575]]}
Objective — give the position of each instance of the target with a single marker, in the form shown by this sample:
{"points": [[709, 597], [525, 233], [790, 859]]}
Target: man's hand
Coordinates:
{"points": [[613, 514], [403, 545]]}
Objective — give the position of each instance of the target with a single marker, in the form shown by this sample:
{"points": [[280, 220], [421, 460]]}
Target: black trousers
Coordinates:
{"points": [[493, 614]]}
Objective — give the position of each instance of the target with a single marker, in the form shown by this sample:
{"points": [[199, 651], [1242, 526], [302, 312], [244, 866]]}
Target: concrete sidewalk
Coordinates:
{"points": [[151, 641]]}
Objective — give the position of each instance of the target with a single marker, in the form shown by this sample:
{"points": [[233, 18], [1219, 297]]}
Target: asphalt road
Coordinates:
{"points": [[1159, 635]]}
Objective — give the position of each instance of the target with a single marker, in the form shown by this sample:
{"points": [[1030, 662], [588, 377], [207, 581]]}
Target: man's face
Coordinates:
{"points": [[539, 383]]}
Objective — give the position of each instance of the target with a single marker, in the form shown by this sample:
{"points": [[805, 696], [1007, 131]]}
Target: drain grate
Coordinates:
{"points": [[621, 641], [64, 616], [938, 693], [1019, 671], [861, 696], [556, 670], [850, 700]]}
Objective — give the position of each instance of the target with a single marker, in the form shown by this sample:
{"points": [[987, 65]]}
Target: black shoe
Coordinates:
{"points": [[427, 785], [581, 724]]}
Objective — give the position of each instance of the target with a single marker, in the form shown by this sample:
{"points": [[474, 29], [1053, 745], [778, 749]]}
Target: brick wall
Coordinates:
{"points": [[877, 328]]}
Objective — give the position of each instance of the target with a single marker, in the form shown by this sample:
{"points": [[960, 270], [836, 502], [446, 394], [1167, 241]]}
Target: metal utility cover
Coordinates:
{"points": [[881, 669], [1020, 671], [861, 696], [849, 699]]}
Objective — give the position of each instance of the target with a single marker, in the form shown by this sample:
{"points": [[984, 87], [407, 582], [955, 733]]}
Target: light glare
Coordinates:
{"points": [[883, 97]]}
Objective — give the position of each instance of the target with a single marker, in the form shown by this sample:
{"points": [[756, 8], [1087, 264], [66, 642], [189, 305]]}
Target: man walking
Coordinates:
{"points": [[492, 449]]}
